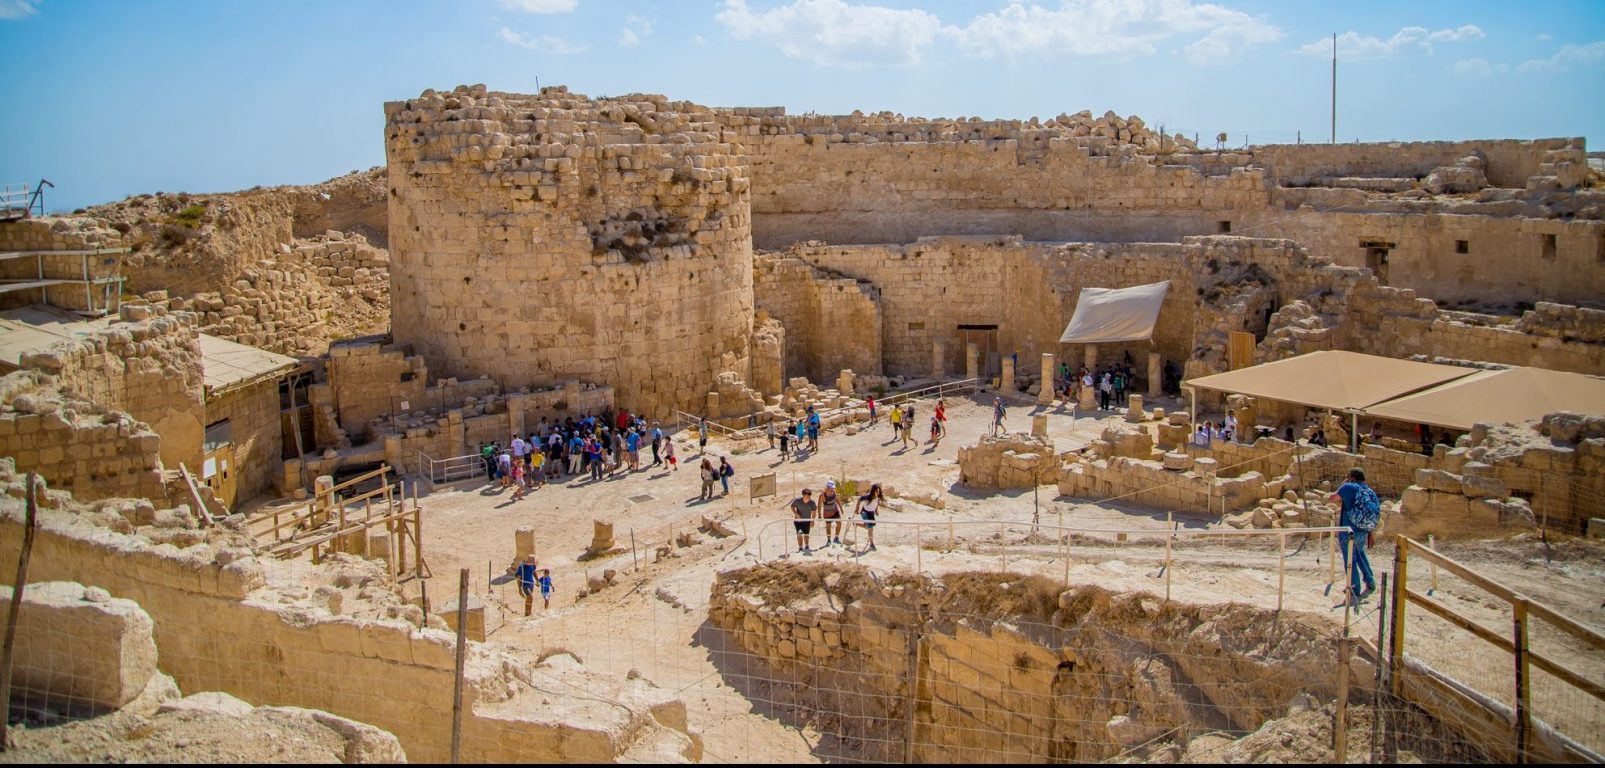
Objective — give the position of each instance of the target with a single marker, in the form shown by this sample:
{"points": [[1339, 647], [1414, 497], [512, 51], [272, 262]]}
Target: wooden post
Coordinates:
{"points": [[635, 565], [1170, 522], [28, 524], [1432, 544], [1401, 561], [1003, 546], [1331, 562], [1376, 687], [1340, 716], [1524, 703], [418, 540], [462, 656], [1281, 568], [913, 689]]}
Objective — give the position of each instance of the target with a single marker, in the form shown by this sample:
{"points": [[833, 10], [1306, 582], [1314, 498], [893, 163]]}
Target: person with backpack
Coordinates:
{"points": [[1362, 512], [725, 473]]}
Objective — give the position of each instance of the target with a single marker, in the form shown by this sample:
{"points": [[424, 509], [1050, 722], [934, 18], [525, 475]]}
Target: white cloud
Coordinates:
{"points": [[699, 40], [541, 6], [834, 32], [1106, 29], [1477, 67], [544, 43], [1352, 46], [18, 9], [1568, 57], [635, 27], [1545, 37]]}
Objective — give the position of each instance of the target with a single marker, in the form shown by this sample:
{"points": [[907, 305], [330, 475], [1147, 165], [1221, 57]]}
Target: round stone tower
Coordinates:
{"points": [[554, 237]]}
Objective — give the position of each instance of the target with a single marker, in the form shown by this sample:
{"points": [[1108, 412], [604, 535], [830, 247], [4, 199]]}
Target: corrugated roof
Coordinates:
{"points": [[1333, 379], [224, 363]]}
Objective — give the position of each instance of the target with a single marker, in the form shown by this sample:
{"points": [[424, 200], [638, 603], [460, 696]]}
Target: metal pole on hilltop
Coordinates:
{"points": [[1334, 87]]}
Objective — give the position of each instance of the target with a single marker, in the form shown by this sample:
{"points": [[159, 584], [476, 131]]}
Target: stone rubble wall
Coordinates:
{"points": [[1510, 161], [1104, 673], [219, 626], [149, 368], [1007, 462], [58, 233], [75, 444], [596, 201], [300, 298]]}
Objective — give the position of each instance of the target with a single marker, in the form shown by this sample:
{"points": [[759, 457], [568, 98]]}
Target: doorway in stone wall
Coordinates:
{"points": [[1376, 258], [985, 338]]}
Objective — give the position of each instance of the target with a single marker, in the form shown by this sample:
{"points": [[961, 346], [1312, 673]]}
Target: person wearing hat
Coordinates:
{"points": [[802, 519], [830, 509]]}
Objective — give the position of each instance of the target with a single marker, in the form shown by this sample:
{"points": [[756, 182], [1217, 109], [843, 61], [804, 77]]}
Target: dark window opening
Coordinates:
{"points": [[218, 434], [1462, 246], [916, 326], [1547, 246], [1223, 227], [981, 327]]}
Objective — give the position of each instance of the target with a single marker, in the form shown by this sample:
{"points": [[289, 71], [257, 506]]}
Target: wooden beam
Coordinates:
{"points": [[201, 513], [1447, 614], [1464, 572]]}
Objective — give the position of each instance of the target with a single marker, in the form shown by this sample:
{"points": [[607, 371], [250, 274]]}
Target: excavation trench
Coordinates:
{"points": [[990, 667]]}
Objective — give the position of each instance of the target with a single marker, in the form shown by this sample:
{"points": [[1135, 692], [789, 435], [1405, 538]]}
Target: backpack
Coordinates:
{"points": [[729, 470], [1367, 511]]}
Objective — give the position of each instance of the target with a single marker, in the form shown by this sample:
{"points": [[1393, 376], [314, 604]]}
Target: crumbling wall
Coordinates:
{"points": [[59, 233], [93, 451], [1006, 667], [832, 322], [1010, 461], [220, 627], [150, 369], [1510, 161], [623, 223]]}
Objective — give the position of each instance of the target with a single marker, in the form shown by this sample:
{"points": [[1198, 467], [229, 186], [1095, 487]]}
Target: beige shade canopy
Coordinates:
{"points": [[1107, 315], [1332, 379], [1498, 397]]}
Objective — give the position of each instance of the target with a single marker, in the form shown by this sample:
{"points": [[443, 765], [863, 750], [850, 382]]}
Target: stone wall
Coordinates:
{"points": [[619, 251], [257, 433], [150, 369], [56, 233], [1007, 462], [84, 447], [299, 298], [219, 627], [831, 322], [1030, 672], [1510, 161], [79, 652]]}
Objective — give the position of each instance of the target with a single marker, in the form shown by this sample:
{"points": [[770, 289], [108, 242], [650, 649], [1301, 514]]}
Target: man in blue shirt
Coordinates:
{"points": [[657, 441], [1349, 494], [526, 582], [632, 448]]}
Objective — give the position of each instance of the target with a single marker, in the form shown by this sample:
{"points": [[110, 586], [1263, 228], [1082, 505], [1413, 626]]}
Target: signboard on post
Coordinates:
{"points": [[761, 486]]}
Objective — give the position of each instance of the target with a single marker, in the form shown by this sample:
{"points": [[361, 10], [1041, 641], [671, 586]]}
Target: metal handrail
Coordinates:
{"points": [[450, 469], [940, 389]]}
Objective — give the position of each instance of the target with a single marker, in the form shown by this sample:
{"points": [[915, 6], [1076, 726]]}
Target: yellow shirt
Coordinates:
{"points": [[897, 416], [537, 459]]}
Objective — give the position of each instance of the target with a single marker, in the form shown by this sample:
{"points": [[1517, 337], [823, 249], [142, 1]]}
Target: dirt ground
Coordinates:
{"points": [[651, 620]]}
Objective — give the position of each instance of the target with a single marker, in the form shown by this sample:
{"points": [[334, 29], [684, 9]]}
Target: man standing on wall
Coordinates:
{"points": [[999, 414]]}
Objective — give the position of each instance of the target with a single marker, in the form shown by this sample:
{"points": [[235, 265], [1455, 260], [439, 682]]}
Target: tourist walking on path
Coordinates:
{"points": [[1361, 513], [725, 473], [668, 455], [813, 430], [709, 475], [785, 441], [769, 432], [527, 582], [546, 589], [802, 511], [869, 401], [702, 437], [830, 510], [869, 506], [657, 444], [801, 434], [1000, 414], [896, 418], [516, 471], [487, 453]]}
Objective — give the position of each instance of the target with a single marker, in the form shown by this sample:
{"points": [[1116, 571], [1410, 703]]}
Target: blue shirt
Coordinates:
{"points": [[526, 575], [546, 585], [1349, 493], [633, 441]]}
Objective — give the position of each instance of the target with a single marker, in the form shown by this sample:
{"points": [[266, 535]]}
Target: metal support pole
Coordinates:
{"points": [[1170, 527], [1281, 568], [1524, 702]]}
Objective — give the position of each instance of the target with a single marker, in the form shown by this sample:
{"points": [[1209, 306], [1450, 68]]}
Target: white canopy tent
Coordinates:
{"points": [[1107, 315]]}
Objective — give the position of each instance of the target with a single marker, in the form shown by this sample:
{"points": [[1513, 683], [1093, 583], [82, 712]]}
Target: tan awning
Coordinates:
{"points": [[227, 365], [1498, 397], [1333, 379], [1115, 314]]}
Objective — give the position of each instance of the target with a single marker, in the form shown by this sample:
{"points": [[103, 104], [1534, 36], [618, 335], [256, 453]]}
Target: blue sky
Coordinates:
{"points": [[115, 98]]}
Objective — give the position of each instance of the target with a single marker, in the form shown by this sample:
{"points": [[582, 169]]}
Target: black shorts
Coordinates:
{"points": [[803, 526], [869, 519]]}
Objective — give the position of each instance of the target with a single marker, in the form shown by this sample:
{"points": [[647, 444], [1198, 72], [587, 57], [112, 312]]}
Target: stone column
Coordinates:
{"points": [[516, 403], [1006, 381], [1045, 391], [1039, 425], [393, 456], [972, 361], [523, 544], [844, 383], [455, 433], [1090, 360], [1089, 398], [1156, 375], [939, 359]]}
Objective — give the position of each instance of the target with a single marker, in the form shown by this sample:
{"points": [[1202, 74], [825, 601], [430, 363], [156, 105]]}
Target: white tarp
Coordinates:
{"points": [[1115, 314]]}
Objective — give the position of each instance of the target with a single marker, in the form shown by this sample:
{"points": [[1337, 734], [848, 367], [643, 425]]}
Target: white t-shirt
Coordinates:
{"points": [[520, 447]]}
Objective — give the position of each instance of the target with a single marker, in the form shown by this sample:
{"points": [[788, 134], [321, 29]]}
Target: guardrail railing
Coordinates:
{"points": [[450, 469]]}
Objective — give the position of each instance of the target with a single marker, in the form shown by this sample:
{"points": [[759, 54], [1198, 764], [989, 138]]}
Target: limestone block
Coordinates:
{"points": [[80, 649], [1178, 462], [1438, 480], [1039, 425], [1134, 412]]}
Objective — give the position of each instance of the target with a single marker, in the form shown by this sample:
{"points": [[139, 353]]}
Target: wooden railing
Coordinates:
{"points": [[1516, 735]]}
